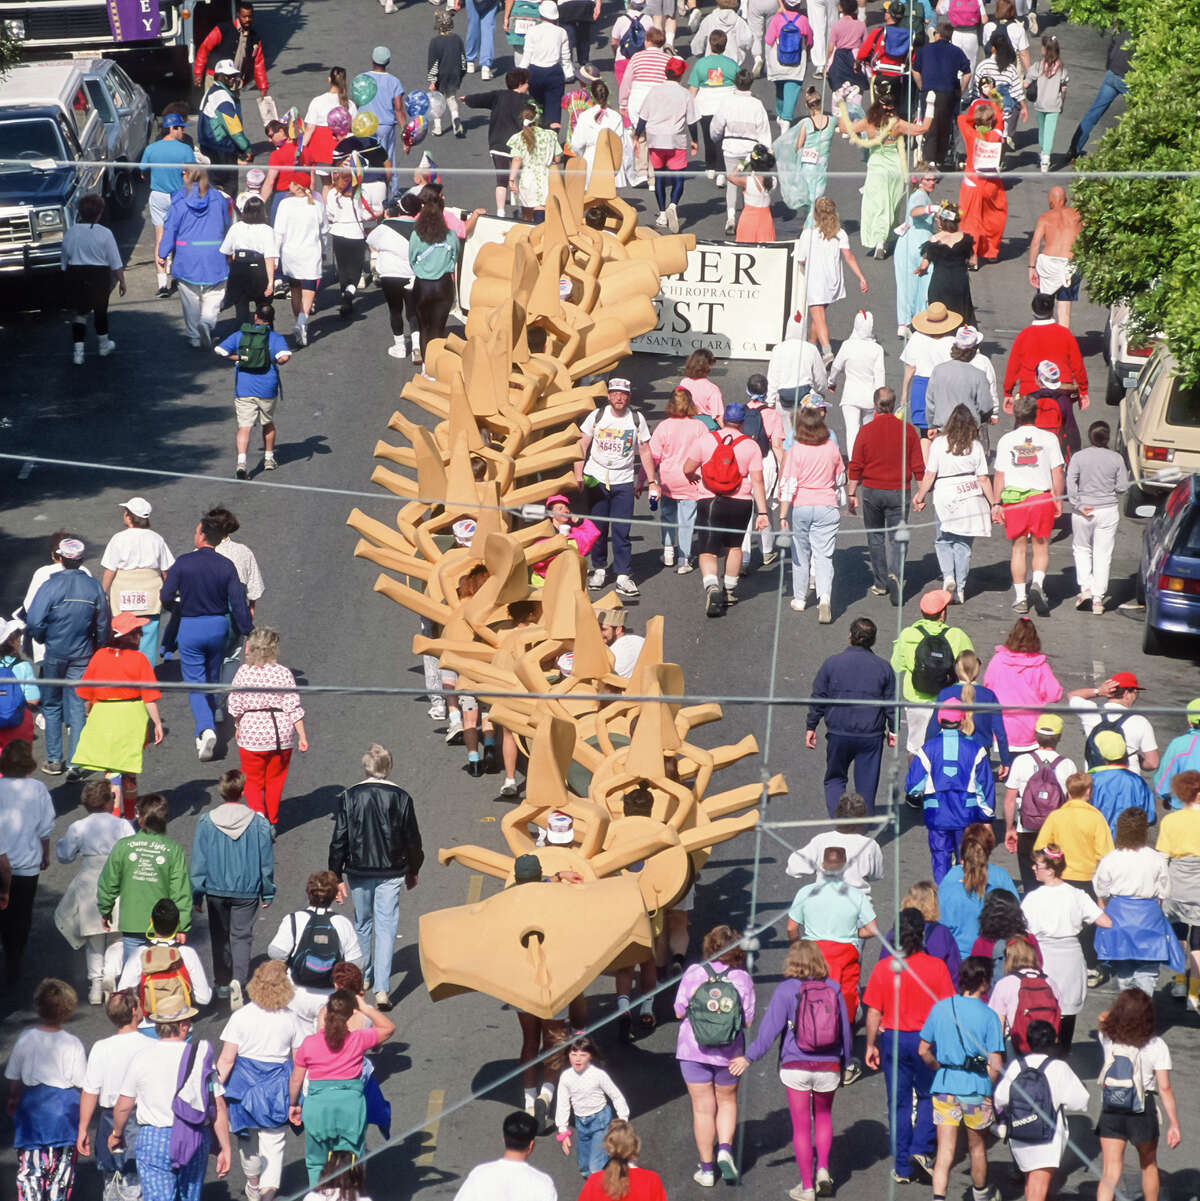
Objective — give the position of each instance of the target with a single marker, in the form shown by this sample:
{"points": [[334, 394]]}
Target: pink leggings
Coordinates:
{"points": [[812, 1122]]}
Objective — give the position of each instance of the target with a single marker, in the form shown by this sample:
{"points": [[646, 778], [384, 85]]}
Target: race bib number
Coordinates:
{"points": [[809, 157], [987, 156], [522, 25], [133, 600]]}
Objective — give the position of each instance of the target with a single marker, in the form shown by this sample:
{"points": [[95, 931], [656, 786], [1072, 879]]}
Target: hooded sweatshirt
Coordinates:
{"points": [[232, 855], [737, 34], [1021, 679], [861, 358], [194, 230]]}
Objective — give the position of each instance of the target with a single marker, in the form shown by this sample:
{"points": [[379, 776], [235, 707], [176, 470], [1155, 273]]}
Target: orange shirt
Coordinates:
{"points": [[113, 663]]}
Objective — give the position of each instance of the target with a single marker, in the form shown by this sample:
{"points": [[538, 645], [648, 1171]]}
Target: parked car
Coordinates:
{"points": [[1169, 575], [128, 119], [1125, 359], [1160, 428]]}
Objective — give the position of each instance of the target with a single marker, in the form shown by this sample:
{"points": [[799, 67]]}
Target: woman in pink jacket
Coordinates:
{"points": [[1019, 675], [670, 447]]}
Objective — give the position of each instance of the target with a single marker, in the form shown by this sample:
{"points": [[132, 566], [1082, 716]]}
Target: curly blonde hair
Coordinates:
{"points": [[825, 217], [262, 646], [269, 987]]}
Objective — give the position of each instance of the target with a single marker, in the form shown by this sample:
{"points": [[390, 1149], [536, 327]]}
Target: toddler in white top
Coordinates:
{"points": [[588, 1091]]}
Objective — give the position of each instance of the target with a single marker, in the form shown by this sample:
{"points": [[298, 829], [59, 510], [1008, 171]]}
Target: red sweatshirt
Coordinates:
{"points": [[877, 461], [1044, 339]]}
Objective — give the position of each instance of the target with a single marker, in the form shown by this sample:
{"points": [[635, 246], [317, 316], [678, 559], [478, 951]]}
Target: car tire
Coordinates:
{"points": [[123, 192], [1152, 640], [1135, 497], [1114, 390]]}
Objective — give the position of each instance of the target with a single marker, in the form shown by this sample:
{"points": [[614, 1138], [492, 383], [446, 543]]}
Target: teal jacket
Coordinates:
{"points": [[232, 855]]}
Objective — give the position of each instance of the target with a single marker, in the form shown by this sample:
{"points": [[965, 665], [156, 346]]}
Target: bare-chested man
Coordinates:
{"points": [[1053, 269]]}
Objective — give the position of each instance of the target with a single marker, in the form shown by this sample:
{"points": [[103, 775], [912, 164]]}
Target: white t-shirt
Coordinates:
{"points": [[242, 557], [131, 975], [1017, 36], [613, 457], [506, 1180], [1132, 872], [1058, 911], [1135, 729], [943, 464], [1155, 1056], [321, 106], [26, 817], [923, 353], [625, 653], [391, 251], [51, 1057], [268, 1036], [108, 1062], [131, 548], [152, 1079], [241, 235], [864, 859], [1027, 456], [1023, 769]]}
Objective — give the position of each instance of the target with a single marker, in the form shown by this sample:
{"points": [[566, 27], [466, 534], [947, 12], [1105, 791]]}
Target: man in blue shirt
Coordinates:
{"points": [[255, 350], [165, 158], [963, 1041], [204, 591], [1114, 787], [388, 101], [854, 733], [942, 70]]}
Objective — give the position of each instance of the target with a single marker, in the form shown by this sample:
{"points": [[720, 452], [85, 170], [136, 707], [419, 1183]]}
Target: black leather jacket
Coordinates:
{"points": [[375, 832]]}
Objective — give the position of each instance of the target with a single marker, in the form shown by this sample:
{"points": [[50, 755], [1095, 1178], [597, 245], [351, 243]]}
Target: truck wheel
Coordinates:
{"points": [[1114, 390]]}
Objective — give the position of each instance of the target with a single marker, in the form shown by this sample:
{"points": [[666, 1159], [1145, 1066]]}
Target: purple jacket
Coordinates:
{"points": [[1021, 679], [686, 1046], [780, 1015], [939, 943]]}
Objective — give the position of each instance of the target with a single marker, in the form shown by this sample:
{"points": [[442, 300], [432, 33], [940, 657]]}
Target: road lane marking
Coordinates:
{"points": [[433, 1117]]}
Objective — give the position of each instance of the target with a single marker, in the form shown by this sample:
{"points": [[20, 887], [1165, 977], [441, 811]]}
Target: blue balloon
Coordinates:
{"points": [[416, 104]]}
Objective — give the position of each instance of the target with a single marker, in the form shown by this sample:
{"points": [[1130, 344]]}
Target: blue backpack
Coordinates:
{"points": [[790, 48], [12, 699], [634, 38], [1031, 1113], [895, 41]]}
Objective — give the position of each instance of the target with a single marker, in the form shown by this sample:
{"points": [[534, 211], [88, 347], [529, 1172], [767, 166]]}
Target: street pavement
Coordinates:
{"points": [[155, 419]]}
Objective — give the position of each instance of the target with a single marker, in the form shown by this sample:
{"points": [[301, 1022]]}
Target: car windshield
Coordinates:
{"points": [[29, 140], [1183, 405]]}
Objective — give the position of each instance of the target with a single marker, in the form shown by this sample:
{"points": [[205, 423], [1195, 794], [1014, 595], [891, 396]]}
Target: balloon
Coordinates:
{"points": [[363, 89], [415, 129], [416, 104], [439, 110], [364, 124], [338, 122]]}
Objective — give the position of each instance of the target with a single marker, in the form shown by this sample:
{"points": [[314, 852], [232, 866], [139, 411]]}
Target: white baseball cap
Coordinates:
{"points": [[463, 531], [139, 506], [560, 829], [226, 67], [619, 384], [9, 627], [70, 548]]}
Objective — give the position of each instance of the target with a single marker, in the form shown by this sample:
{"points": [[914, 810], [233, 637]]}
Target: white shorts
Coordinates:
{"points": [[809, 1082], [160, 205], [917, 723]]}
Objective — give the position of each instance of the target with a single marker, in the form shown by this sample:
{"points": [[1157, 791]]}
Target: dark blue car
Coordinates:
{"points": [[1169, 577]]}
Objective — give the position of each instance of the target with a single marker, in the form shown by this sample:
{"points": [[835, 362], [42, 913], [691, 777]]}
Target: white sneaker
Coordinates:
{"points": [[800, 1193], [756, 69], [269, 462], [1031, 18], [77, 354], [96, 991], [710, 173], [783, 125], [205, 745], [302, 334], [1179, 988], [470, 68], [1044, 164], [661, 220], [798, 603], [704, 1178], [455, 732], [684, 567], [824, 1183], [389, 7], [236, 1001], [437, 711], [720, 180], [485, 72], [672, 218], [596, 578], [726, 1166], [107, 346], [626, 586], [694, 19], [668, 556], [398, 350]]}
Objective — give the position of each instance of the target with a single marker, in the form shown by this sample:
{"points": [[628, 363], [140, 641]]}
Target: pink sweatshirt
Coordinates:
{"points": [[1021, 679], [810, 474], [706, 396], [671, 446]]}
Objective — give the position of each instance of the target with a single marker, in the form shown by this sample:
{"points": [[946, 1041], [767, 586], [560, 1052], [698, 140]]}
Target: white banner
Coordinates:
{"points": [[487, 229], [733, 300]]}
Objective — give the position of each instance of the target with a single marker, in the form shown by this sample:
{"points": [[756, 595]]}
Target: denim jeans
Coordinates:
{"points": [[899, 1059], [376, 916], [954, 557], [589, 1141], [131, 944], [1111, 86], [202, 642], [814, 536], [678, 519], [62, 707], [883, 510], [1136, 973], [481, 34], [615, 504]]}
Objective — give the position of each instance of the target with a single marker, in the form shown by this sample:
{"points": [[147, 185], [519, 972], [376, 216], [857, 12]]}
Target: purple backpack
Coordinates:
{"points": [[191, 1129], [816, 1022]]}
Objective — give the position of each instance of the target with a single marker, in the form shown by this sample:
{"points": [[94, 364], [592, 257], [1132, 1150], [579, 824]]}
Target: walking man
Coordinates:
{"points": [[376, 847], [614, 441], [1052, 254], [204, 588], [388, 102], [1096, 478], [854, 734], [164, 158], [512, 1175], [1119, 694], [886, 460], [222, 136], [1116, 64], [70, 616]]}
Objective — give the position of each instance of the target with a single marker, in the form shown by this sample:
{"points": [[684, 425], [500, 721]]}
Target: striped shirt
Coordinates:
{"points": [[646, 67]]}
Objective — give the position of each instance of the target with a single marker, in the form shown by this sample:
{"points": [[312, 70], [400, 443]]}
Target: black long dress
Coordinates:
{"points": [[949, 280]]}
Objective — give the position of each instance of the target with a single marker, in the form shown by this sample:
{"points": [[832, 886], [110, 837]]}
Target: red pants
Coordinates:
{"points": [[265, 773], [844, 970], [984, 208]]}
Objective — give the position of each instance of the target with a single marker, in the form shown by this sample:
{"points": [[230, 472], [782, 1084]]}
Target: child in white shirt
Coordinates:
{"points": [[588, 1091]]}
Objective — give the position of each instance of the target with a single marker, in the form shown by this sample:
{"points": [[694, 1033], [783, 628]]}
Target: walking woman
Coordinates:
{"points": [[912, 284], [1127, 1028], [957, 473], [268, 724], [300, 225], [1019, 675], [860, 358], [621, 1179], [788, 40], [532, 152], [807, 1016], [255, 1068], [22, 704], [965, 886], [705, 1067], [981, 198], [1057, 913], [803, 156], [349, 216], [1047, 82], [939, 940], [90, 261], [1179, 841], [822, 249], [944, 261], [327, 121], [986, 726], [334, 1113], [433, 256], [706, 396], [756, 178], [389, 242], [251, 248], [588, 128], [808, 496], [671, 447]]}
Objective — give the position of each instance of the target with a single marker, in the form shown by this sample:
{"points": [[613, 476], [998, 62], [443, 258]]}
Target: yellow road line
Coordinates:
{"points": [[474, 889], [433, 1116]]}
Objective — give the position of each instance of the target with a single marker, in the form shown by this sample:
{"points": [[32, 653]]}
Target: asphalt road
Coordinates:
{"points": [[157, 406]]}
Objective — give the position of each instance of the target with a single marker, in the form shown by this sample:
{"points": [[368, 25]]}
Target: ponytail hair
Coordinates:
{"points": [[337, 79], [338, 1011], [977, 844], [623, 1146], [966, 668], [529, 127]]}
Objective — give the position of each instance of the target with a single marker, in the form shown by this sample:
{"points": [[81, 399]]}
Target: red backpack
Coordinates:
{"points": [[1036, 1002], [721, 474]]}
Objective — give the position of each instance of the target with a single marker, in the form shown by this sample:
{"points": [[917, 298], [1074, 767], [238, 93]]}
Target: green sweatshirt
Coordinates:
{"points": [[904, 650], [141, 870]]}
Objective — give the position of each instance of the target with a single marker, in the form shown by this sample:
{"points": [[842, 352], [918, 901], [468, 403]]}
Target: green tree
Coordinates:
{"points": [[1141, 237], [10, 52]]}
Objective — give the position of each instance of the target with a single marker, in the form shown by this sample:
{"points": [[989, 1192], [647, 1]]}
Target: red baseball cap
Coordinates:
{"points": [[675, 67], [1126, 680]]}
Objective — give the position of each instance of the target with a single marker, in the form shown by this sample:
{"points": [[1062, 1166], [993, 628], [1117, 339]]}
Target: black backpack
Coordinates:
{"points": [[1091, 756], [933, 662], [315, 952], [254, 349], [753, 427], [1031, 1113]]}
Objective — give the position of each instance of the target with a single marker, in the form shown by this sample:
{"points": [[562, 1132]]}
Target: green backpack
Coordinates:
{"points": [[715, 1011], [254, 348]]}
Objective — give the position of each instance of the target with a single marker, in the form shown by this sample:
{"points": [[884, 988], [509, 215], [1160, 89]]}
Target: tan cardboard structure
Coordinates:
{"points": [[551, 305]]}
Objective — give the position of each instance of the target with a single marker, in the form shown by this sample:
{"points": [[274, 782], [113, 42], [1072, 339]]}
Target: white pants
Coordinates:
{"points": [[201, 306], [1092, 545], [271, 1145], [917, 722], [767, 536], [758, 15], [855, 418], [967, 40], [821, 15], [93, 955]]}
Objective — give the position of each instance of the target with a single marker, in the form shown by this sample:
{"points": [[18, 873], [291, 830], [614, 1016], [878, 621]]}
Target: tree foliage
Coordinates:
{"points": [[10, 53], [1141, 237]]}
